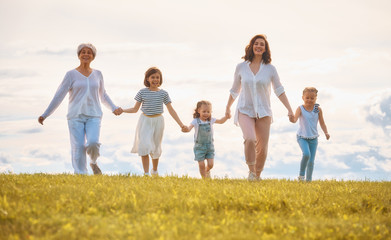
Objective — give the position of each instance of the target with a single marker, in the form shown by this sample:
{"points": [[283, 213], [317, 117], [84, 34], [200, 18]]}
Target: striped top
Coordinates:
{"points": [[152, 101]]}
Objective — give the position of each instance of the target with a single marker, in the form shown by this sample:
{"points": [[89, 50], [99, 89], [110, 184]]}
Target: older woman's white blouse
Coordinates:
{"points": [[254, 90], [84, 95]]}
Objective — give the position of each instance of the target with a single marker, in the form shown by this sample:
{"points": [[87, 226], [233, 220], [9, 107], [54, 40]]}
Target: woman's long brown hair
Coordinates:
{"points": [[266, 56]]}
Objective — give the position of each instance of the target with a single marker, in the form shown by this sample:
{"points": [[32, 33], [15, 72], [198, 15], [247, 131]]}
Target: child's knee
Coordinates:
{"points": [[201, 164], [210, 165], [306, 156]]}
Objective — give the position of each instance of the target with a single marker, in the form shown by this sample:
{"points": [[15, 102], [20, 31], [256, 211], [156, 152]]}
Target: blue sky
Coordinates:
{"points": [[341, 48]]}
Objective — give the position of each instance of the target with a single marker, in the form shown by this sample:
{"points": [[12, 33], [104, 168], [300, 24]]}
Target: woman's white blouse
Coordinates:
{"points": [[254, 90], [84, 95]]}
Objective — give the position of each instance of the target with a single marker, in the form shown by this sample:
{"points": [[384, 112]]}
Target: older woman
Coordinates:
{"points": [[86, 89], [252, 81]]}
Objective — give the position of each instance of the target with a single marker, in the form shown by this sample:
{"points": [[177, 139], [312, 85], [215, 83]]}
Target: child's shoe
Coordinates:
{"points": [[251, 176], [95, 169], [301, 178], [154, 173]]}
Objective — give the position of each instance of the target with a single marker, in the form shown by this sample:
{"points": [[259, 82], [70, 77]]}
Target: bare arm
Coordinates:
{"points": [[323, 124], [134, 109], [284, 99], [174, 115], [59, 96], [118, 111], [296, 116], [222, 120], [231, 100], [187, 128]]}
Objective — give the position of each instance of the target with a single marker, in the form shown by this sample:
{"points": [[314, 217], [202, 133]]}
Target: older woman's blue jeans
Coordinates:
{"points": [[84, 135], [308, 147]]}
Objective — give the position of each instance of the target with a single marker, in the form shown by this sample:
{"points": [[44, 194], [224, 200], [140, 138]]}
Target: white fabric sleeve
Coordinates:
{"points": [[277, 86], [237, 84], [104, 97], [60, 94], [194, 122]]}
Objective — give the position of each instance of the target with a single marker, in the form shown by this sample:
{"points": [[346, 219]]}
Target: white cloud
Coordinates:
{"points": [[44, 154], [35, 162], [325, 65], [385, 165], [4, 158], [16, 73], [49, 152], [378, 110], [370, 163], [6, 168], [105, 160]]}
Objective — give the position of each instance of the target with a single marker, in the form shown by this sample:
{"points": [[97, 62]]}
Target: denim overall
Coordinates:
{"points": [[203, 145]]}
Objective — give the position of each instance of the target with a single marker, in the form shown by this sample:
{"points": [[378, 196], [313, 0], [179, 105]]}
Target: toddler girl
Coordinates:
{"points": [[149, 131], [203, 136], [307, 136]]}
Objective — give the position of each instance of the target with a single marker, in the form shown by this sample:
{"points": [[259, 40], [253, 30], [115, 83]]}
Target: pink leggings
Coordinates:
{"points": [[256, 137]]}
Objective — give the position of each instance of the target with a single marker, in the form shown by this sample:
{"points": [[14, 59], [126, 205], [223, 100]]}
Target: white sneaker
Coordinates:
{"points": [[251, 176], [146, 174], [301, 178], [207, 174], [154, 173]]}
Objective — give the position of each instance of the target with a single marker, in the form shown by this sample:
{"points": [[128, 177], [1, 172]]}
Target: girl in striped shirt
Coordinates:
{"points": [[150, 127]]}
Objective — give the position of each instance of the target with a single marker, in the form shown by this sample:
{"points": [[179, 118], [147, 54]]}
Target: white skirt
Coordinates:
{"points": [[149, 135]]}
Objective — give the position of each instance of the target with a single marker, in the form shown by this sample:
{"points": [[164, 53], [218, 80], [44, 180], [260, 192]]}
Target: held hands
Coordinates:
{"points": [[291, 117], [228, 113], [185, 128], [118, 111]]}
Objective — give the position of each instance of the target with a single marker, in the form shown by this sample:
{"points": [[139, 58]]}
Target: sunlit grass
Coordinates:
{"points": [[132, 207]]}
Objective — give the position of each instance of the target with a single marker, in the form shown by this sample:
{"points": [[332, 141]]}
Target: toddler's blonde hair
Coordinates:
{"points": [[199, 104], [310, 89]]}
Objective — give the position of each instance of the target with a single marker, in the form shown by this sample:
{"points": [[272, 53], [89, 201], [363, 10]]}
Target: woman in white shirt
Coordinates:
{"points": [[86, 90], [252, 83]]}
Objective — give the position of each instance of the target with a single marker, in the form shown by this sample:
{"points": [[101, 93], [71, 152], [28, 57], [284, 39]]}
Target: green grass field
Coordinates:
{"points": [[41, 206]]}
